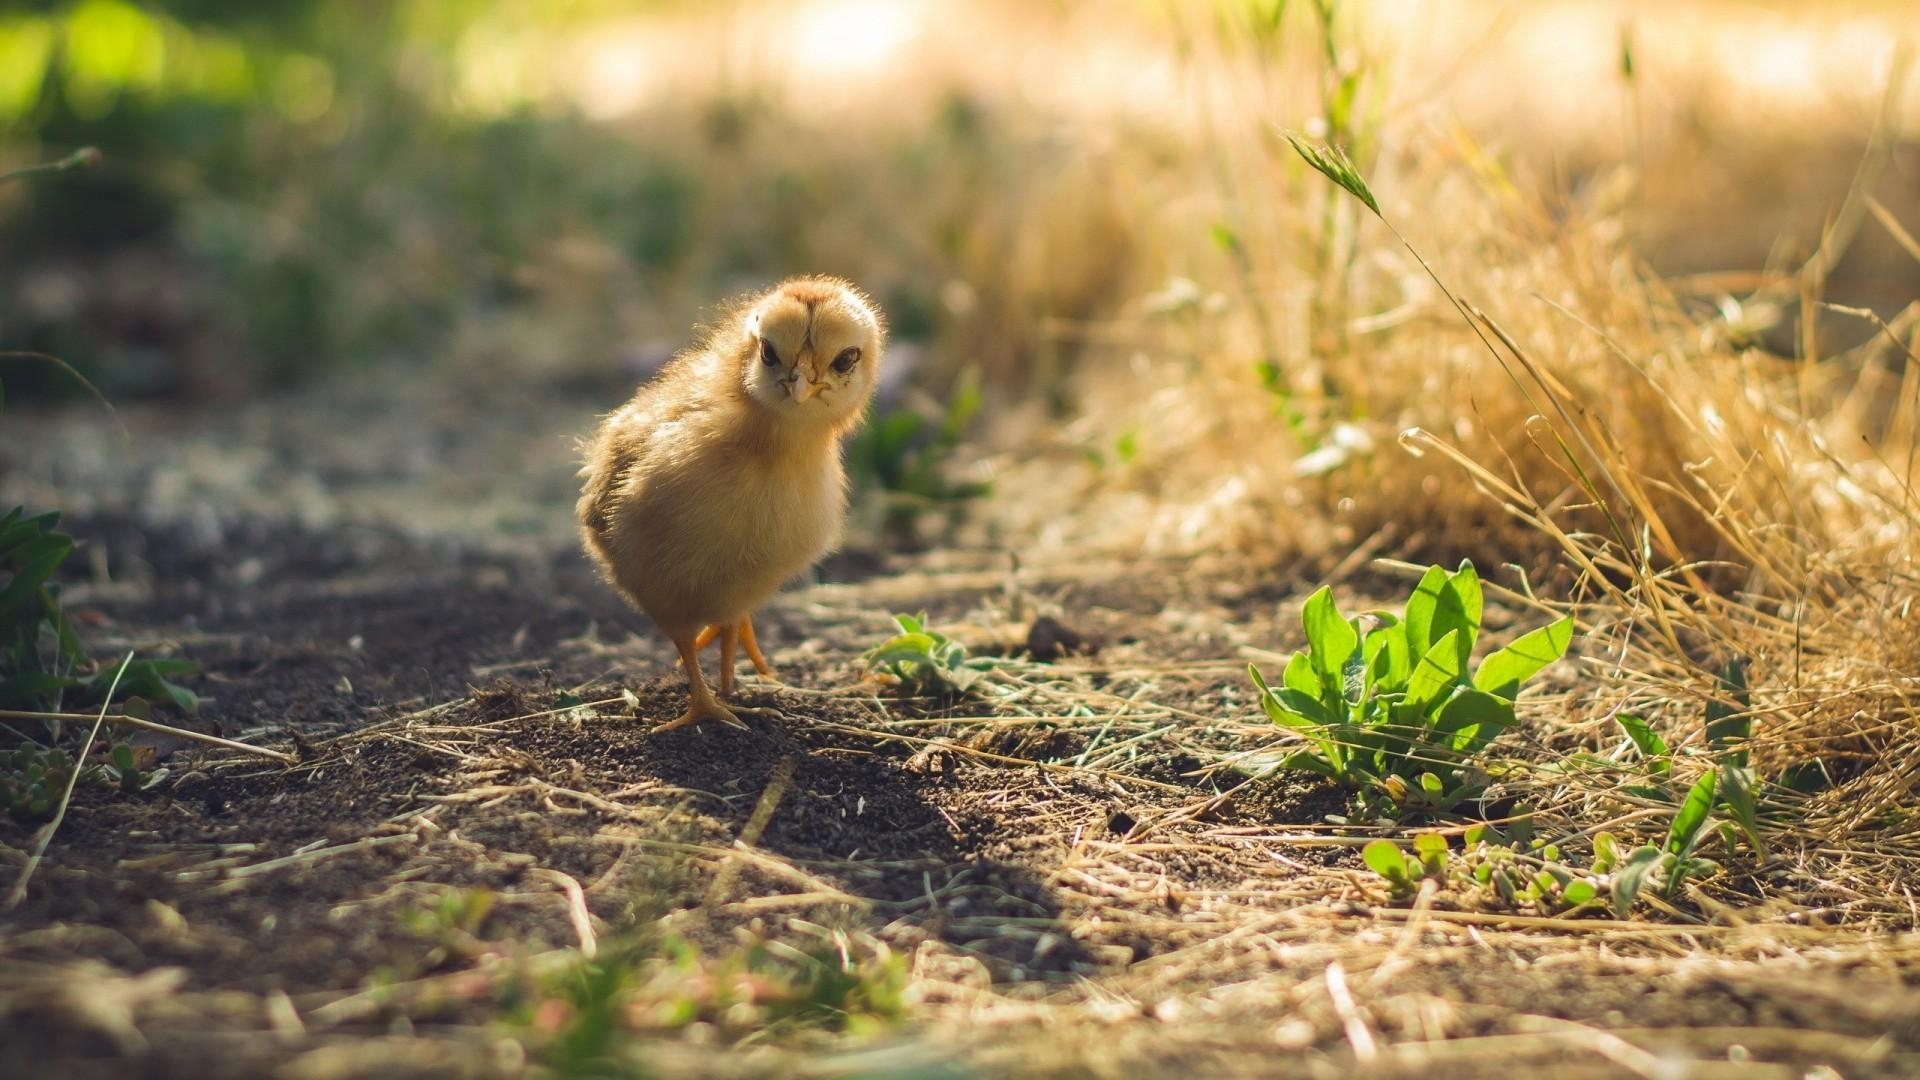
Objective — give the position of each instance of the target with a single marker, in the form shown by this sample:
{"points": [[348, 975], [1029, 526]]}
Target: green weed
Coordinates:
{"points": [[1515, 872], [450, 925], [927, 663], [1735, 792], [33, 778], [1385, 703]]}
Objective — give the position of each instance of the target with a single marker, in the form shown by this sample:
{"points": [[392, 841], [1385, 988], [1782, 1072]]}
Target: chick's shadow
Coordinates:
{"points": [[882, 825]]}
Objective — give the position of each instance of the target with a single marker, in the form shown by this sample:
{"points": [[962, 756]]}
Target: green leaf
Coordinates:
{"points": [[32, 689], [1431, 848], [1647, 741], [1353, 673], [1579, 892], [1504, 670], [1737, 786], [1420, 608], [1287, 706], [1286, 717], [1331, 638], [1300, 676], [32, 563], [1460, 608], [1606, 852], [1308, 761], [1388, 662], [1332, 163], [1437, 671], [1692, 815], [1806, 777], [1728, 729], [1631, 878], [1472, 719], [1384, 857]]}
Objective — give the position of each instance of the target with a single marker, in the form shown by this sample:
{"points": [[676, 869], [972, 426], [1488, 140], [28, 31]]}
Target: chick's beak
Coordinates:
{"points": [[803, 388]]}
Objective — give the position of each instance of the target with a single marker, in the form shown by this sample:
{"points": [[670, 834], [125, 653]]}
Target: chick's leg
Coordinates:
{"points": [[701, 704], [752, 645], [705, 639], [728, 637]]}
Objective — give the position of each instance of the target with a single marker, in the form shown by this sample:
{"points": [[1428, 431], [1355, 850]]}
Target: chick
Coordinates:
{"points": [[722, 477]]}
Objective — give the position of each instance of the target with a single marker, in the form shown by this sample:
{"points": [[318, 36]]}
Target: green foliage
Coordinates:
{"points": [[589, 1019], [927, 663], [906, 456], [1386, 705], [1732, 789], [1515, 872], [451, 925], [38, 647], [31, 781], [1507, 872], [40, 654], [32, 778]]}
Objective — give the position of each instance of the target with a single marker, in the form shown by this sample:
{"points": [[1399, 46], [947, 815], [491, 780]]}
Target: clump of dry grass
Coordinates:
{"points": [[1545, 401]]}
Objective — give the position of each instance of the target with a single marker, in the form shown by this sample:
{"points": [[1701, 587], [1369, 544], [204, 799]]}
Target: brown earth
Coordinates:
{"points": [[476, 721]]}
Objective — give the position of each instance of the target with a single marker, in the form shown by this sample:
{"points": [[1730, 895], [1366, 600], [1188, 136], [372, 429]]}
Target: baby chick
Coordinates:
{"points": [[722, 479]]}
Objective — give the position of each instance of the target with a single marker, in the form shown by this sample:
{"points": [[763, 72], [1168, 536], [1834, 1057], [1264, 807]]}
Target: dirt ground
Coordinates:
{"points": [[1074, 881]]}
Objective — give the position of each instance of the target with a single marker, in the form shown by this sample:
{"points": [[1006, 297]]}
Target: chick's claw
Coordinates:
{"points": [[698, 711]]}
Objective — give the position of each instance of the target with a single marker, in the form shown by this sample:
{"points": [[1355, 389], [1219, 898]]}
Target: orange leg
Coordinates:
{"points": [[706, 637], [752, 645], [701, 704], [728, 637]]}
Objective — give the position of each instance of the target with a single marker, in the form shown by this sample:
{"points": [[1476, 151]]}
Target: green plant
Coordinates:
{"points": [[906, 456], [1507, 872], [33, 777], [1515, 871], [927, 663], [451, 925], [41, 656], [587, 1018], [1385, 703], [1734, 790]]}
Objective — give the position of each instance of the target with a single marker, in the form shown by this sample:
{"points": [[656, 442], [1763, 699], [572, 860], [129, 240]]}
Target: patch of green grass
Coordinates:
{"points": [[1385, 703]]}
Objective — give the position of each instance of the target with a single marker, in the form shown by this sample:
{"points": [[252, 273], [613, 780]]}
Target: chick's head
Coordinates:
{"points": [[812, 351]]}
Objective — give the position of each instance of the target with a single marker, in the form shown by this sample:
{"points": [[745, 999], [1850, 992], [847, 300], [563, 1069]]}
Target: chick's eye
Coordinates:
{"points": [[845, 361], [767, 355]]}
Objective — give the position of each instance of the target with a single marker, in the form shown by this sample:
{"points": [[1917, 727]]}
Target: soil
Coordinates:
{"points": [[475, 716]]}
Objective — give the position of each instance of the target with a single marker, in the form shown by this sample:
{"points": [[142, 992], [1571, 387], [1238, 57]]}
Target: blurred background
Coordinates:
{"points": [[356, 258]]}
